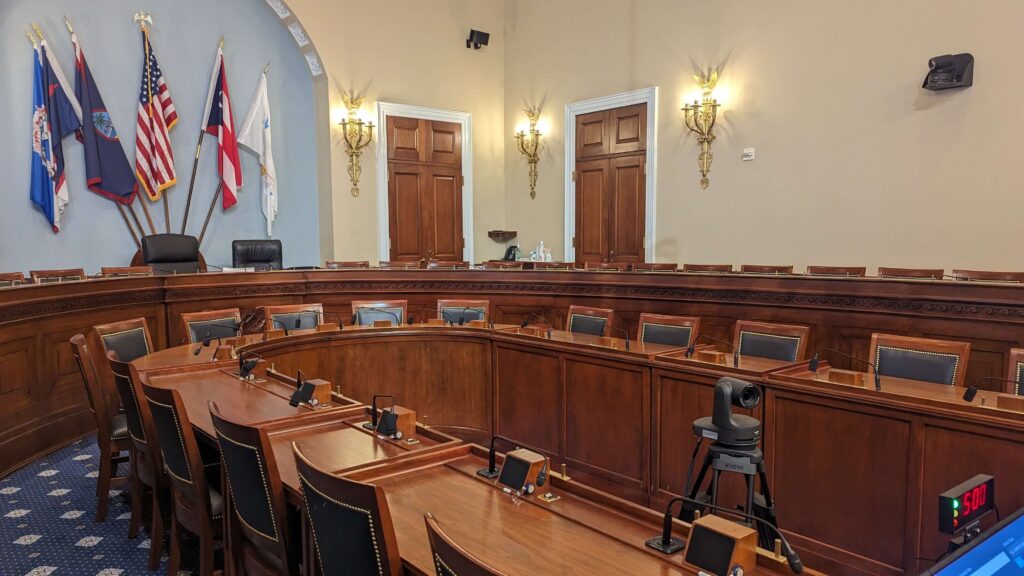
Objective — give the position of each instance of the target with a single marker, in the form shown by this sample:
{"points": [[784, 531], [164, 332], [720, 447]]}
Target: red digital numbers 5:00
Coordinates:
{"points": [[973, 499]]}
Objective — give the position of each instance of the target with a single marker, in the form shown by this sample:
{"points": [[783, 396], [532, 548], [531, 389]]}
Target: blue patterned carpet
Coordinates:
{"points": [[47, 521]]}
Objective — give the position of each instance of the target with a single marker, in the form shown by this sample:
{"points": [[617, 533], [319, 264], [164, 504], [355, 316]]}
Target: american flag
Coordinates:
{"points": [[154, 160]]}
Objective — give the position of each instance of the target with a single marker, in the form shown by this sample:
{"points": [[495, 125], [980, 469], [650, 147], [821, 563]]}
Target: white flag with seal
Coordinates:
{"points": [[255, 135]]}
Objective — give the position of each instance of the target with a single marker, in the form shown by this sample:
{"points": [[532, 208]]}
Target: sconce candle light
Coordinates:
{"points": [[358, 135], [700, 119], [529, 146]]}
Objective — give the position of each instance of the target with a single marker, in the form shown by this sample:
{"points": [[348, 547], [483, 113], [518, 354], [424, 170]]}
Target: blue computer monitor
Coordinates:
{"points": [[997, 552]]}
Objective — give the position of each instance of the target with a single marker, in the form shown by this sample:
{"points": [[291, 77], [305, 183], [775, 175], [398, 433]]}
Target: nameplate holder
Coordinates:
{"points": [[845, 377], [234, 342], [479, 324], [711, 357], [405, 420], [224, 352], [534, 331], [272, 334], [1012, 403], [329, 327], [382, 323], [606, 341], [436, 322], [719, 546], [321, 391]]}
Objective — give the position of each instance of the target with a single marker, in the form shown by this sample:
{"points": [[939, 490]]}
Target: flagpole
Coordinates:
{"points": [[209, 214], [149, 217], [192, 182], [135, 217]]}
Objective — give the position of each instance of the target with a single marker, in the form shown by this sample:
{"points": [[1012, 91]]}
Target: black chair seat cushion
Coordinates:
{"points": [[171, 253], [119, 427], [665, 334], [583, 324], [258, 254], [771, 346], [916, 365]]}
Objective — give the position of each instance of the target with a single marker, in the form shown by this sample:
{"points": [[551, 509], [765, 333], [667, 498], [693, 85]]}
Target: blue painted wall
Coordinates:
{"points": [[185, 38]]}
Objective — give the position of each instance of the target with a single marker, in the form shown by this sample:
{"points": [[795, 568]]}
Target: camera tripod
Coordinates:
{"points": [[748, 462]]}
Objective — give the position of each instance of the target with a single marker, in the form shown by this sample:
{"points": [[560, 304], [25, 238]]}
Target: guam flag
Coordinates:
{"points": [[107, 170]]}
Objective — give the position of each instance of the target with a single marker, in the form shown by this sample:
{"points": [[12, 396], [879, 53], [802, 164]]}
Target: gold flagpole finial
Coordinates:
{"points": [[31, 38], [221, 42], [267, 67], [39, 32], [67, 22], [142, 19]]}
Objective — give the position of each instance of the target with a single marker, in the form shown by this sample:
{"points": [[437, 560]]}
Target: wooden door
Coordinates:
{"points": [[611, 185], [424, 189]]}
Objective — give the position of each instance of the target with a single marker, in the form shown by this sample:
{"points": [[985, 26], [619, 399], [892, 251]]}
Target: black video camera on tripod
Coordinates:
{"points": [[734, 439]]}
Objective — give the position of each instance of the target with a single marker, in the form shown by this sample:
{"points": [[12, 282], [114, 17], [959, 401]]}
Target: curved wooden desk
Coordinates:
{"points": [[620, 421]]}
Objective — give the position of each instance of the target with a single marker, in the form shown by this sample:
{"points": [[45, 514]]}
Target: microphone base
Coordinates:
{"points": [[368, 426], [674, 545], [487, 473]]}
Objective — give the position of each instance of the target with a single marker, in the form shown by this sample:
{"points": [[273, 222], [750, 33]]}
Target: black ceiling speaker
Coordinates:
{"points": [[950, 71], [477, 39]]}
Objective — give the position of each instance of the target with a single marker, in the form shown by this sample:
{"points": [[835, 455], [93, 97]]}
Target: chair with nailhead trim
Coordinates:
{"points": [[260, 539], [349, 521], [198, 504], [773, 341], [923, 359], [450, 559], [587, 320]]}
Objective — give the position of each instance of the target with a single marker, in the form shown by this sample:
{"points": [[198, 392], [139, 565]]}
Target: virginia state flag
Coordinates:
{"points": [[41, 189], [107, 170]]}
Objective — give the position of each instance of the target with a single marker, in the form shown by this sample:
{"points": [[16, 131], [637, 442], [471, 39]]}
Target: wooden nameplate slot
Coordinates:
{"points": [[382, 323], [224, 352], [234, 342], [330, 327], [846, 377], [321, 391], [406, 420], [436, 322], [479, 324], [272, 334], [534, 331], [607, 341], [1012, 403], [711, 357]]}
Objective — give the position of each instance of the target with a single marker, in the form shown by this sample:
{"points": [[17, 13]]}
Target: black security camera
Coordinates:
{"points": [[477, 39]]}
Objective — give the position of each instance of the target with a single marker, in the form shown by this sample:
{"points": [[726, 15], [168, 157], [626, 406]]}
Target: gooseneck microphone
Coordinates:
{"points": [[491, 472], [533, 316], [735, 351], [276, 322], [246, 366], [206, 343], [813, 364], [624, 334], [321, 315], [972, 390], [373, 410]]}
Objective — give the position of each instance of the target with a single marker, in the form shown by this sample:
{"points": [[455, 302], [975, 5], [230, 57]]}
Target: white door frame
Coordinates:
{"points": [[465, 119], [647, 96]]}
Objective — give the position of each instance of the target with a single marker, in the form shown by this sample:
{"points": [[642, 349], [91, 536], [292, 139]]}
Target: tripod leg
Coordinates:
{"points": [[686, 511], [750, 493], [765, 491], [714, 487]]}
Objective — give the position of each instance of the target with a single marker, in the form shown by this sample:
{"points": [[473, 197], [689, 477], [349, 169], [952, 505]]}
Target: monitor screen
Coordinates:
{"points": [[998, 552], [513, 473]]}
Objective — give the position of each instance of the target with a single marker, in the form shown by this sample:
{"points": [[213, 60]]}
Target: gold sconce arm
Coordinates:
{"points": [[529, 146], [358, 135], [700, 118]]}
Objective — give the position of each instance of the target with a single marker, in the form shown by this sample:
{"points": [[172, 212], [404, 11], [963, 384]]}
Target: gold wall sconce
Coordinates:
{"points": [[358, 135], [700, 119], [529, 146]]}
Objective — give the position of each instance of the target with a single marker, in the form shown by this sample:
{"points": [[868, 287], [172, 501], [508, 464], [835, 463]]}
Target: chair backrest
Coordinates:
{"points": [[839, 271], [761, 269], [346, 265], [350, 523], [292, 316], [211, 324], [1015, 372], [398, 265], [587, 320], [136, 411], [129, 338], [254, 482], [178, 449], [911, 273], [8, 279], [172, 254], [103, 406], [125, 271], [554, 266], [463, 311], [988, 276], [447, 265], [502, 265], [923, 359], [707, 267], [259, 254], [774, 341], [668, 330], [655, 267], [450, 559], [366, 312], [606, 266], [55, 276]]}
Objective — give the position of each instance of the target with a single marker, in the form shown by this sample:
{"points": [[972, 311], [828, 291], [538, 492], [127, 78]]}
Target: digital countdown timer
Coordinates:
{"points": [[961, 505]]}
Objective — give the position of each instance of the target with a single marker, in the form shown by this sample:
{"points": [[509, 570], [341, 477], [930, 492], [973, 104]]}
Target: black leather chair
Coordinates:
{"points": [[772, 341], [258, 254], [593, 321], [172, 254], [668, 330], [922, 359], [351, 523], [451, 559], [1015, 373]]}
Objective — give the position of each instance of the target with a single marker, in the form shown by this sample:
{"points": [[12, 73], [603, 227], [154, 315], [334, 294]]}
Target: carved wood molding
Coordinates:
{"points": [[234, 291], [78, 303]]}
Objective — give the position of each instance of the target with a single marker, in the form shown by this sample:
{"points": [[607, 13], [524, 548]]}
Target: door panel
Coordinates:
{"points": [[443, 209], [592, 134], [628, 129], [627, 219], [592, 205], [404, 183], [405, 139], [444, 143]]}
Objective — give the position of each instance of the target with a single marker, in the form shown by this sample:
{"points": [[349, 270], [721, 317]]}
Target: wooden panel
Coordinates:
{"points": [[820, 474], [528, 388], [444, 143], [406, 139], [442, 210], [18, 389], [628, 208], [592, 134], [607, 423], [404, 187], [593, 196], [629, 129]]}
